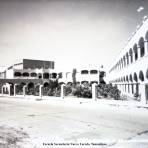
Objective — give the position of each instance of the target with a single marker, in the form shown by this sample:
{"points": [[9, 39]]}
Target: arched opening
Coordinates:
{"points": [[46, 84], [147, 74], [93, 71], [60, 83], [11, 88], [25, 74], [60, 75], [17, 74], [121, 79], [127, 78], [135, 49], [141, 76], [121, 63], [84, 72], [82, 82], [37, 89], [69, 83], [54, 75], [124, 79], [116, 66], [127, 58], [46, 88], [146, 41], [130, 85], [132, 88], [130, 78], [30, 85], [19, 88], [30, 88], [131, 55], [92, 82], [141, 45], [135, 77], [39, 75], [146, 36], [33, 74], [137, 85], [124, 61], [46, 75]]}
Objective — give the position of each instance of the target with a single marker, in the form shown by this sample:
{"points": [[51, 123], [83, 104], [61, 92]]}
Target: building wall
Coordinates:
{"points": [[33, 64], [9, 74], [83, 75], [130, 70]]}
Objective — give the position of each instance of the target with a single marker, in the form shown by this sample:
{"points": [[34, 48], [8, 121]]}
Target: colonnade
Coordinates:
{"points": [[62, 95], [130, 71]]}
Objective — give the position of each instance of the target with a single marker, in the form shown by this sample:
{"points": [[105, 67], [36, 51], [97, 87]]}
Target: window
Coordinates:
{"points": [[25, 74], [17, 74], [33, 74], [94, 72], [84, 72], [46, 75]]}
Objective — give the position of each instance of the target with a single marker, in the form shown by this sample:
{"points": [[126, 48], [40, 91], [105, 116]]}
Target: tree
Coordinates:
{"points": [[74, 76]]}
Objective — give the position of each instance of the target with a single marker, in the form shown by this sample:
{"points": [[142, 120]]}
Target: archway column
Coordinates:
{"points": [[40, 91], [146, 47], [24, 90], [139, 52], [62, 91], [94, 92], [134, 57], [125, 87], [14, 87], [2, 90], [8, 86], [122, 87], [142, 92], [131, 57], [131, 89]]}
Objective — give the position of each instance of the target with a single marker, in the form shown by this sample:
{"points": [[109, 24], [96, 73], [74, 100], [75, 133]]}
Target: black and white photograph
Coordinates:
{"points": [[73, 73]]}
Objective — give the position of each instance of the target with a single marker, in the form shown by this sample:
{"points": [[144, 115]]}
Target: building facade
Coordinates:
{"points": [[130, 69], [89, 75], [27, 73]]}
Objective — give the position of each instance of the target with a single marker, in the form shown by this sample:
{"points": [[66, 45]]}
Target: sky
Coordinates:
{"points": [[73, 33]]}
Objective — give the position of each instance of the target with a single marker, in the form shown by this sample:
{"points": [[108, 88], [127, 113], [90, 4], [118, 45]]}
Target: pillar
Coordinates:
{"points": [[139, 52], [62, 91], [134, 56], [94, 92], [40, 91], [130, 89], [15, 89], [2, 90], [146, 47], [24, 90], [142, 93], [8, 86]]}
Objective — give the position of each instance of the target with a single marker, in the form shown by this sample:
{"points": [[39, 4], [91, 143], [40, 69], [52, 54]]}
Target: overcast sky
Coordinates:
{"points": [[73, 33]]}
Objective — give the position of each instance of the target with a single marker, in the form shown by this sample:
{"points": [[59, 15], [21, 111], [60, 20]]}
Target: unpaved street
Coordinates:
{"points": [[57, 121]]}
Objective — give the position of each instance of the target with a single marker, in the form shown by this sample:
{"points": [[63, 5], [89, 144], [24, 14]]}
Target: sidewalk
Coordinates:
{"points": [[108, 102], [75, 100]]}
